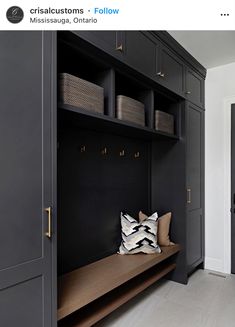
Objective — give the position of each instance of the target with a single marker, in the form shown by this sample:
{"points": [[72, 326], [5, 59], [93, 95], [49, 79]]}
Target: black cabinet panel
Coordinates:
{"points": [[194, 156], [170, 71], [194, 87], [195, 185], [194, 238], [109, 41], [21, 305], [25, 188], [21, 143], [100, 38], [141, 52]]}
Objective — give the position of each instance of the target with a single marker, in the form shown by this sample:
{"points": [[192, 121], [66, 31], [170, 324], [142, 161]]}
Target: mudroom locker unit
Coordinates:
{"points": [[67, 172]]}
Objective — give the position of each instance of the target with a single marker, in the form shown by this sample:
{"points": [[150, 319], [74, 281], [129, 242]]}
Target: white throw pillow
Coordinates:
{"points": [[139, 237]]}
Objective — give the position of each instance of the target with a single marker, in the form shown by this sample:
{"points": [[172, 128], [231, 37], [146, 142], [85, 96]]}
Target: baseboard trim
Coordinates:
{"points": [[214, 264]]}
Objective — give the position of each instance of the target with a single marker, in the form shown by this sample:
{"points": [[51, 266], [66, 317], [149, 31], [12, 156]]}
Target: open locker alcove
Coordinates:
{"points": [[106, 166], [94, 187]]}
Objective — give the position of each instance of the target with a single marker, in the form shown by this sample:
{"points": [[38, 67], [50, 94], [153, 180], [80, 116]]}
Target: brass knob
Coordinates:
{"points": [[83, 148], [160, 74], [188, 92], [104, 151], [137, 154], [119, 48]]}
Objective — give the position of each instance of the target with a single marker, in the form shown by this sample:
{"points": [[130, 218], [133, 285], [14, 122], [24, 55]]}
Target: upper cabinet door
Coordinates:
{"points": [[170, 71], [194, 87], [26, 186], [141, 52], [111, 42]]}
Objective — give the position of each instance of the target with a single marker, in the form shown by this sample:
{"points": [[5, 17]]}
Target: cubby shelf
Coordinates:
{"points": [[82, 286], [100, 122], [103, 306]]}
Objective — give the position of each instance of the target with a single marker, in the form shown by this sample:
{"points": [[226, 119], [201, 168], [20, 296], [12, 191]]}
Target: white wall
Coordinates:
{"points": [[220, 93]]}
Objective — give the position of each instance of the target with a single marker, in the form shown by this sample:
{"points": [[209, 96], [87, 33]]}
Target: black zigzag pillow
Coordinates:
{"points": [[139, 237]]}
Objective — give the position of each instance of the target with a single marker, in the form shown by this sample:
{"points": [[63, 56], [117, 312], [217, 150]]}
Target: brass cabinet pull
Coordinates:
{"points": [[188, 92], [83, 148], [189, 195], [49, 217], [119, 48]]}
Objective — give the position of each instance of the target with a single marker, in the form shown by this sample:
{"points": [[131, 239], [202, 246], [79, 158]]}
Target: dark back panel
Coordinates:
{"points": [[94, 189]]}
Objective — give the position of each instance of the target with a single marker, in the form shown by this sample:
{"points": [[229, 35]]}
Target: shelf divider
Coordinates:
{"points": [[106, 79], [147, 97]]}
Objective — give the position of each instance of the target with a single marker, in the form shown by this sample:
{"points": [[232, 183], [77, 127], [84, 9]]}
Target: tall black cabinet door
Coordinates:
{"points": [[195, 184], [194, 156], [25, 175]]}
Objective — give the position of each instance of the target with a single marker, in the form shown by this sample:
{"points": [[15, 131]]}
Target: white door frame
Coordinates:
{"points": [[228, 101]]}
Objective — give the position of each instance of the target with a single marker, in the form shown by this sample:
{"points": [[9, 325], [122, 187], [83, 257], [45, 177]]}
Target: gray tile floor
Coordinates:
{"points": [[207, 301]]}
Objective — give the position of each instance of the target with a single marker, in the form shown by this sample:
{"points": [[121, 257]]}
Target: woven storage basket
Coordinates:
{"points": [[130, 110], [164, 122], [80, 93]]}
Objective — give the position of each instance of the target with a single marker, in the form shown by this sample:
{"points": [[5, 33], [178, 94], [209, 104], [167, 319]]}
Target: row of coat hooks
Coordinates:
{"points": [[104, 152]]}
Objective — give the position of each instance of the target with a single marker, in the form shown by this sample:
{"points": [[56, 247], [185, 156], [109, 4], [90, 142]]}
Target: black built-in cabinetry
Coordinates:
{"points": [[153, 55], [168, 174]]}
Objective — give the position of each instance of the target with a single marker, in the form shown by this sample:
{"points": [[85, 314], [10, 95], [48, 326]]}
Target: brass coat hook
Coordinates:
{"points": [[137, 154], [83, 148], [104, 151]]}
